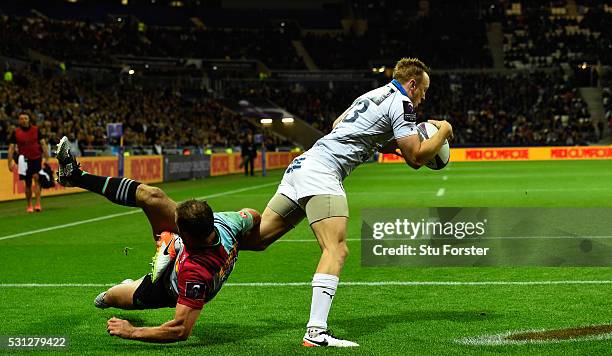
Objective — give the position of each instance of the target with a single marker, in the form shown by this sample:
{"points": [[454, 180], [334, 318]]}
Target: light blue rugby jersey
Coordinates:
{"points": [[373, 119]]}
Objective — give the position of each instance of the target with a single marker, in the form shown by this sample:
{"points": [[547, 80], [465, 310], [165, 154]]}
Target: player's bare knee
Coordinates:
{"points": [[343, 252], [119, 298], [110, 298], [148, 195], [338, 252]]}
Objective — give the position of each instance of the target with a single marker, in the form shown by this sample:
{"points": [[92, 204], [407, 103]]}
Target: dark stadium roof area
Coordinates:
{"points": [[161, 13]]}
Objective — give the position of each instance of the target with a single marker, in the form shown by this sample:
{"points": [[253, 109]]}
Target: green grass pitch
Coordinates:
{"points": [[413, 319]]}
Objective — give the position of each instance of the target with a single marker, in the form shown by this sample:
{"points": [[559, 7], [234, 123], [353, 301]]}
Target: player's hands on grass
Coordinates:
{"points": [[11, 164], [119, 327], [443, 125]]}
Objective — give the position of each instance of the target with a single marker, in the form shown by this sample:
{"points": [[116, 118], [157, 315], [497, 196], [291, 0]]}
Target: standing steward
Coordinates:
{"points": [[32, 148]]}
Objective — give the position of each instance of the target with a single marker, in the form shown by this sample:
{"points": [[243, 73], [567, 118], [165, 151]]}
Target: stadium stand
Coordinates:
{"points": [[314, 102], [452, 29], [459, 46], [65, 106], [516, 109], [546, 33], [486, 109], [507, 107], [77, 41], [607, 104]]}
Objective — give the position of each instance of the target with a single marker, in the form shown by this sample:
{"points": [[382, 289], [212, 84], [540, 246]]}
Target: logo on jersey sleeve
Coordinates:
{"points": [[409, 114], [243, 214], [195, 290]]}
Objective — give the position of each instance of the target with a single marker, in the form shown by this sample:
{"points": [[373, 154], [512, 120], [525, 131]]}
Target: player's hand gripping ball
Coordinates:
{"points": [[440, 160]]}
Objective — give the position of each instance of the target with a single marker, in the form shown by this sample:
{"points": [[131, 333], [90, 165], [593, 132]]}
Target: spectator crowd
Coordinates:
{"points": [[61, 105], [85, 42], [520, 108], [523, 108], [537, 108], [545, 35], [447, 36]]}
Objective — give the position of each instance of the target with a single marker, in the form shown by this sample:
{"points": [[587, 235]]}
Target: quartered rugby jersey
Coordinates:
{"points": [[197, 276]]}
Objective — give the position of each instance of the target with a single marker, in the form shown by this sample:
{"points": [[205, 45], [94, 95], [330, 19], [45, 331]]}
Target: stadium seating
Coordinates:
{"points": [[486, 109], [314, 102], [65, 106], [545, 35], [448, 35], [607, 102], [518, 108], [444, 34], [234, 35], [77, 41]]}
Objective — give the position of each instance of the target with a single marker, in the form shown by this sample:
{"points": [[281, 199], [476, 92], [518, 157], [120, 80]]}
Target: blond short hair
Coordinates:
{"points": [[409, 68]]}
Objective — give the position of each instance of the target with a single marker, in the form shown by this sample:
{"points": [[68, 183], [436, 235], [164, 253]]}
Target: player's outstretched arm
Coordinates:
{"points": [[174, 330], [269, 228]]}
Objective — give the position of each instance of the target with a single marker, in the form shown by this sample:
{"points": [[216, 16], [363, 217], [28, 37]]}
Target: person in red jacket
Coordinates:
{"points": [[32, 146]]}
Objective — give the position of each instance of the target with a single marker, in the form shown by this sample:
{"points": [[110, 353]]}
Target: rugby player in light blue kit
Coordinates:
{"points": [[380, 120]]}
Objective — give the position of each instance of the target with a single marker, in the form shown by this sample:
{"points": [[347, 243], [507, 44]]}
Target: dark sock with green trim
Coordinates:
{"points": [[118, 190]]}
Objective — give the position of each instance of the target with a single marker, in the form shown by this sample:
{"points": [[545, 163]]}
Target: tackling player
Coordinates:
{"points": [[202, 257], [382, 119]]}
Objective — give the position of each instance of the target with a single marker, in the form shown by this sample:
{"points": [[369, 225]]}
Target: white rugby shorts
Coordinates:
{"points": [[306, 176]]}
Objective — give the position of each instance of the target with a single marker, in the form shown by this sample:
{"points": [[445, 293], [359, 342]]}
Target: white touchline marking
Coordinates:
{"points": [[445, 178], [501, 339], [56, 227], [440, 192], [346, 283], [237, 191], [129, 212], [471, 192]]}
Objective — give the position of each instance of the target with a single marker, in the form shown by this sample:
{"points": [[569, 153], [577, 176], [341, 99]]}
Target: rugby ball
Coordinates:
{"points": [[427, 130]]}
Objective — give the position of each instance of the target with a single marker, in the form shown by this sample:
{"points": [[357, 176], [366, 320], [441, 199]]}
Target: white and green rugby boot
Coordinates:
{"points": [[316, 337]]}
